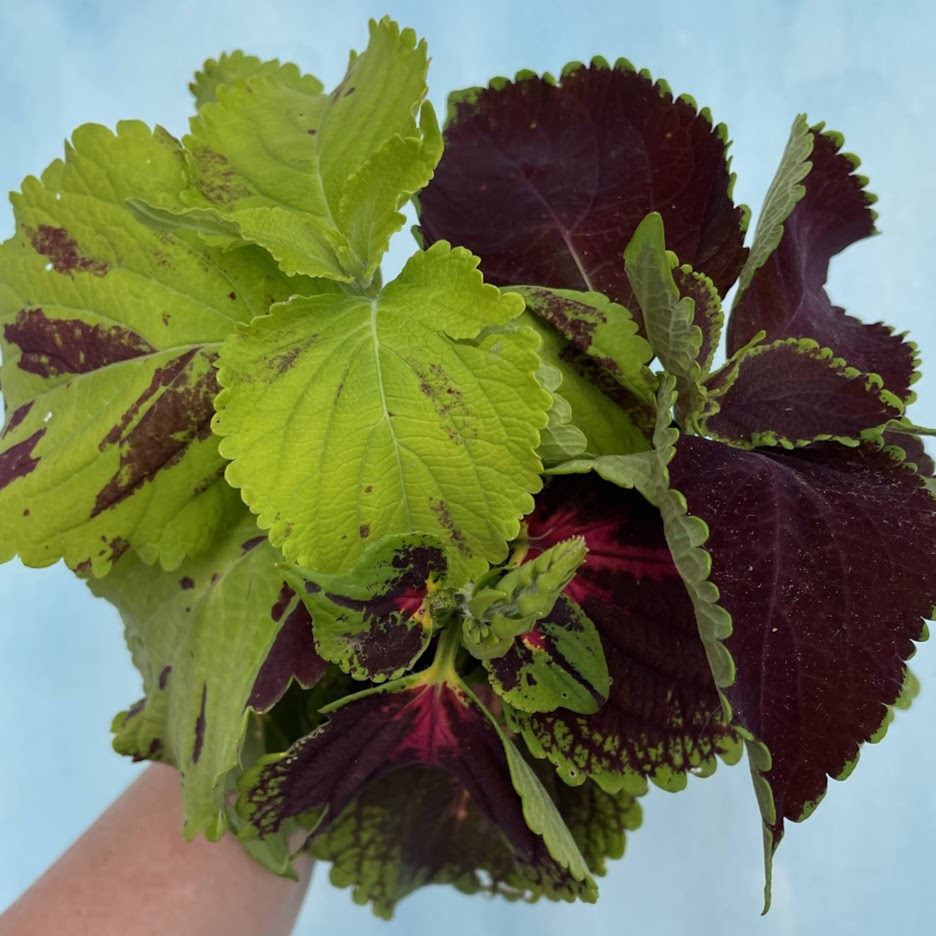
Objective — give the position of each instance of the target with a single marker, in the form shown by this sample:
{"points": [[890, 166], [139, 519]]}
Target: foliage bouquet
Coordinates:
{"points": [[436, 575]]}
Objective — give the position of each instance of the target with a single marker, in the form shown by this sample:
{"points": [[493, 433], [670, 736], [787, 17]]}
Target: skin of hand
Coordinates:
{"points": [[132, 874]]}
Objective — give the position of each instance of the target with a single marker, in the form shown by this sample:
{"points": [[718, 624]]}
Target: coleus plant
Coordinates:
{"points": [[433, 576]]}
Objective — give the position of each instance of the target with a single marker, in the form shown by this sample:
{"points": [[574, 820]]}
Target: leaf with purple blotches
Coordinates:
{"points": [[375, 620]]}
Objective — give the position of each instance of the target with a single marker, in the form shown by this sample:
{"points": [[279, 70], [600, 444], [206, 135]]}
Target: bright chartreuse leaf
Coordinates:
{"points": [[599, 328], [350, 418], [792, 393], [611, 419], [557, 663], [375, 620], [561, 439], [228, 69], [512, 605], [110, 333], [199, 636], [317, 179]]}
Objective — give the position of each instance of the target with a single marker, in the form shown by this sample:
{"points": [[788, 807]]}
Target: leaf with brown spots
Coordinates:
{"points": [[210, 640], [410, 421], [109, 332]]}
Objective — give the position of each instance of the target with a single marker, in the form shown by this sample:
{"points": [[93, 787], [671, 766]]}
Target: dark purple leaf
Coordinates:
{"points": [[292, 656], [787, 297], [418, 723], [708, 310], [825, 559], [663, 716], [547, 181], [793, 392]]}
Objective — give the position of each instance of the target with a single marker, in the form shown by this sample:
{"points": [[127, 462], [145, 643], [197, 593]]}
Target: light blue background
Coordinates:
{"points": [[863, 863]]}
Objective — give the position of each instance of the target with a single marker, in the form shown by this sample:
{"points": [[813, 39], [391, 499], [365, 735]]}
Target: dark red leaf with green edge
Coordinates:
{"points": [[292, 656], [787, 297], [663, 716], [709, 316], [912, 447], [547, 181], [793, 392], [420, 826], [824, 558], [375, 734]]}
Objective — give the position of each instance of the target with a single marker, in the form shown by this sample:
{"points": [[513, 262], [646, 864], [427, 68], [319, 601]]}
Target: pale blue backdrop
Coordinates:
{"points": [[863, 863]]}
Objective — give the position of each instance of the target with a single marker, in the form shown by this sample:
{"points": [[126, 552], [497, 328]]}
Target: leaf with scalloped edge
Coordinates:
{"points": [[199, 636], [821, 563], [612, 419], [602, 329], [421, 721], [229, 68], [786, 297], [546, 180], [792, 393], [663, 717], [317, 179], [110, 332], [561, 439], [374, 621], [558, 663], [407, 422]]}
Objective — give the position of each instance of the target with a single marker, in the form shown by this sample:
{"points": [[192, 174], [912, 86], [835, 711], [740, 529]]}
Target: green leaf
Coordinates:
{"points": [[228, 69], [406, 423], [599, 328], [561, 439], [375, 621], [611, 419], [558, 663], [784, 192], [498, 613], [317, 179], [110, 334], [199, 637]]}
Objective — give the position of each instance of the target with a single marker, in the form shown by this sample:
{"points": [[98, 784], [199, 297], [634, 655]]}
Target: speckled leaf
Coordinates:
{"points": [[663, 717], [792, 393], [547, 180], [407, 424], [199, 636], [374, 622], [599, 328], [612, 419], [110, 334], [558, 663], [317, 179], [425, 722], [786, 297], [824, 559]]}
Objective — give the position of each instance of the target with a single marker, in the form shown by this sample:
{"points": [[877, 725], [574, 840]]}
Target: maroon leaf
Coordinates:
{"points": [[708, 310], [787, 297], [663, 716], [794, 392], [375, 734], [824, 559], [292, 655], [547, 181]]}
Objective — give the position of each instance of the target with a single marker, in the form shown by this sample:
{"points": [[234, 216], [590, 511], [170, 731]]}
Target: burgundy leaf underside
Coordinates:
{"points": [[547, 182], [824, 558], [663, 715], [787, 297], [375, 735]]}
